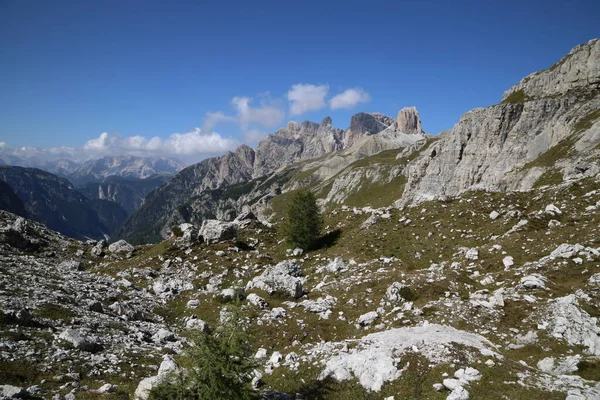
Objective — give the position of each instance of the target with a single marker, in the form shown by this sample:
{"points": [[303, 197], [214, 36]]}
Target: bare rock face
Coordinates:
{"points": [[364, 124], [580, 69], [488, 148], [408, 120]]}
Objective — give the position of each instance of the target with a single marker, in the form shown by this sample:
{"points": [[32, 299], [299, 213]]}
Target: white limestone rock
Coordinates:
{"points": [[534, 281], [374, 359], [121, 247], [167, 367], [567, 321], [79, 340], [281, 278], [393, 292], [215, 231], [368, 318]]}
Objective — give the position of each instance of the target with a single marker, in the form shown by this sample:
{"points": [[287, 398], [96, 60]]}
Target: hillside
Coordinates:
{"points": [[129, 193], [54, 201], [461, 266], [225, 186]]}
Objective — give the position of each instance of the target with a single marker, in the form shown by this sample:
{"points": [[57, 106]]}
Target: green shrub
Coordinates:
{"points": [[517, 97], [177, 232], [220, 365], [304, 222]]}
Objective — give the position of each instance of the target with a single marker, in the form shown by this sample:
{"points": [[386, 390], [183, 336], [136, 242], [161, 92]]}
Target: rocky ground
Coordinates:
{"points": [[484, 296]]}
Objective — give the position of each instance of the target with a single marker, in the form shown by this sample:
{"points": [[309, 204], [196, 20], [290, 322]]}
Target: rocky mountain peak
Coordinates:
{"points": [[326, 121], [579, 70], [408, 120]]}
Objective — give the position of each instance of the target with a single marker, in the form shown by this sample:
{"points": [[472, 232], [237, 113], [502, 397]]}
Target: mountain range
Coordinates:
{"points": [[464, 265]]}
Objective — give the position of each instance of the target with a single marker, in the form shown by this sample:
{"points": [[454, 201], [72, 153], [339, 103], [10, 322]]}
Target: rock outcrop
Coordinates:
{"points": [[223, 186], [490, 148], [54, 202]]}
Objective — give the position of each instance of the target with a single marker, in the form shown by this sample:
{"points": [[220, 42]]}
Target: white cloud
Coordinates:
{"points": [[253, 136], [2, 145], [211, 119], [177, 144], [267, 115], [307, 97], [349, 99]]}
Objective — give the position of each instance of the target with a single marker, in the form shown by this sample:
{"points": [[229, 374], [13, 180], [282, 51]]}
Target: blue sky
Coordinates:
{"points": [[124, 76]]}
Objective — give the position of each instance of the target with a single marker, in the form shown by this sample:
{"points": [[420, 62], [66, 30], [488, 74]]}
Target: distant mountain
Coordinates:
{"points": [[97, 170], [9, 201], [215, 186], [129, 193], [54, 202], [123, 166]]}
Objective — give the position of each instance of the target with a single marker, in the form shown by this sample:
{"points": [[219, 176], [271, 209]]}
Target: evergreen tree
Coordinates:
{"points": [[303, 222], [220, 365]]}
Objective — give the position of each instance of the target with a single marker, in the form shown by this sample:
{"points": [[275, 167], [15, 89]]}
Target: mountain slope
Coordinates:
{"points": [[124, 166], [54, 202], [223, 186], [129, 193], [496, 148], [9, 201]]}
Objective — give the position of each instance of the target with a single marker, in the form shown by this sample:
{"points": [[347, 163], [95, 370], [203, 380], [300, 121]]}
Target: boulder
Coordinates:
{"points": [[12, 392], [257, 301], [394, 292], [215, 231], [80, 341], [281, 278], [167, 367], [368, 318], [121, 247]]}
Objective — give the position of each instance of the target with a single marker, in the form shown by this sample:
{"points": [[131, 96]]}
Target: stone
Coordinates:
{"points": [[167, 367], [508, 262], [196, 324], [368, 318], [494, 215], [281, 278], [472, 254], [261, 353], [257, 301], [12, 392], [121, 247], [452, 384], [552, 210], [566, 250], [408, 121], [107, 388], [373, 360], [372, 220], [566, 321], [534, 281], [394, 292], [79, 340], [460, 393], [215, 231]]}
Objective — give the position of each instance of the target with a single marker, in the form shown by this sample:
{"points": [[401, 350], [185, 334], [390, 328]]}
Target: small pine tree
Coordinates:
{"points": [[221, 365], [304, 222]]}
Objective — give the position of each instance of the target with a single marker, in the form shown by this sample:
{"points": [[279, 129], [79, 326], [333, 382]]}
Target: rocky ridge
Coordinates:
{"points": [[220, 187], [506, 302], [55, 202]]}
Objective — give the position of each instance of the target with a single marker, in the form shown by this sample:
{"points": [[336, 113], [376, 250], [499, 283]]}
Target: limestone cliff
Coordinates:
{"points": [[499, 147]]}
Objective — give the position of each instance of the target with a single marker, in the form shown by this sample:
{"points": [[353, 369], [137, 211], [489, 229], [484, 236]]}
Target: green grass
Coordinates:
{"points": [[377, 194], [517, 97], [550, 157], [302, 175], [54, 312], [386, 157], [550, 177], [586, 122]]}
